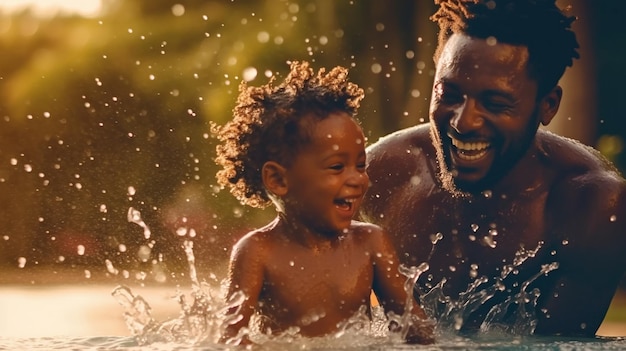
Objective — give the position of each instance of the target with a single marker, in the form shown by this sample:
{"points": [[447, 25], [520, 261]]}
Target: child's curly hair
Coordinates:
{"points": [[268, 125]]}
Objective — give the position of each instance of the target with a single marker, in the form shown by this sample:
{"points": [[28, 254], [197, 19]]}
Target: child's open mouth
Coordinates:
{"points": [[344, 204]]}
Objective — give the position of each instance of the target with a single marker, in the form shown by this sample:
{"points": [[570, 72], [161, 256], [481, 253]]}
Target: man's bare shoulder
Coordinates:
{"points": [[588, 189], [579, 164], [398, 142], [396, 154]]}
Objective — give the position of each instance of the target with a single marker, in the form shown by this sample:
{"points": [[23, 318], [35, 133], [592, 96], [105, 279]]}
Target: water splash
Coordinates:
{"points": [[205, 315], [134, 216], [515, 315], [524, 319]]}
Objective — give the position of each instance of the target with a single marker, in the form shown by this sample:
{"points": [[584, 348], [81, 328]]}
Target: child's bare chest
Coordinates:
{"points": [[299, 279]]}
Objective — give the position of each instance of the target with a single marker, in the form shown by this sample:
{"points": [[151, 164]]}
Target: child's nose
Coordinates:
{"points": [[357, 177]]}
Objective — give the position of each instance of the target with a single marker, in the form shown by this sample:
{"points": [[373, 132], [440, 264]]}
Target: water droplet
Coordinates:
{"points": [[415, 180], [474, 227], [263, 37], [434, 238], [249, 74], [376, 68], [143, 253], [80, 249], [292, 263], [21, 262], [613, 218], [178, 10]]}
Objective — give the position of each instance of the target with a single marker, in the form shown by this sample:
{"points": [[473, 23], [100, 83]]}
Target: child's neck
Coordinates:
{"points": [[297, 231]]}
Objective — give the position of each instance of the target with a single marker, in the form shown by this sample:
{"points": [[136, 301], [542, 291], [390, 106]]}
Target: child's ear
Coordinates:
{"points": [[274, 178]]}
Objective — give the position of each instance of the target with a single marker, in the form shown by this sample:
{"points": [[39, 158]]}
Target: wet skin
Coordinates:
{"points": [[480, 184], [313, 266]]}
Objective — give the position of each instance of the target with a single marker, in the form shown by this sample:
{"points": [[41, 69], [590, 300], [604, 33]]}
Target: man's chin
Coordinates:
{"points": [[459, 186]]}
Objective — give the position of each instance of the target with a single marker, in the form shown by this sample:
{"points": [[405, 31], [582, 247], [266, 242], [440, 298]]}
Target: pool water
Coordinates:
{"points": [[444, 343], [87, 317]]}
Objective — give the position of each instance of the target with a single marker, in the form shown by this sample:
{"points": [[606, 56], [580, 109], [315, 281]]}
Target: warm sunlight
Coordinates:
{"points": [[53, 7]]}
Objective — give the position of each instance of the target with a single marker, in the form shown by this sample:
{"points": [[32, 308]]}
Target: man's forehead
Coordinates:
{"points": [[464, 52]]}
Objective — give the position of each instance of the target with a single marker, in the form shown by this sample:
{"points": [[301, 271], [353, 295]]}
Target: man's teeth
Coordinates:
{"points": [[461, 145], [470, 151]]}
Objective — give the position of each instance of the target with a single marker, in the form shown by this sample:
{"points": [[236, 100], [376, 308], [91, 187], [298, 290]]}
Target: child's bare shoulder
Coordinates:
{"points": [[255, 241], [367, 230]]}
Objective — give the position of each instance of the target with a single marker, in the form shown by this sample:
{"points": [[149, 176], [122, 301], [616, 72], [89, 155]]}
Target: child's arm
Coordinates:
{"points": [[245, 274], [389, 289]]}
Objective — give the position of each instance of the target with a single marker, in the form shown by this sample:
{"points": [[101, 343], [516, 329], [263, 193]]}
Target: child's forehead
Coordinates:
{"points": [[335, 125], [337, 128]]}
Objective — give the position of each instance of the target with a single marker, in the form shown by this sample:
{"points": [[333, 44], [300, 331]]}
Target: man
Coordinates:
{"points": [[522, 229]]}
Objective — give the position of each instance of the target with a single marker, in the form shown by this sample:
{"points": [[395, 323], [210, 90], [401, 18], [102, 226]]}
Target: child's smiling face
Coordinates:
{"points": [[327, 180]]}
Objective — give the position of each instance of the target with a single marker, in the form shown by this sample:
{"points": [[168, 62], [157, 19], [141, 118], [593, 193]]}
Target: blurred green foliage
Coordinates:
{"points": [[101, 115]]}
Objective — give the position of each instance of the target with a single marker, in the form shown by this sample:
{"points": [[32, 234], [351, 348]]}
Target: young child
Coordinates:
{"points": [[298, 147]]}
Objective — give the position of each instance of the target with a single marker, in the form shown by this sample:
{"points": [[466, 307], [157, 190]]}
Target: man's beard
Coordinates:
{"points": [[500, 167]]}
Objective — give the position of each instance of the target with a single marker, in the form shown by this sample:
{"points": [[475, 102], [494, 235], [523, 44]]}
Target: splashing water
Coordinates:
{"points": [[204, 317], [134, 216]]}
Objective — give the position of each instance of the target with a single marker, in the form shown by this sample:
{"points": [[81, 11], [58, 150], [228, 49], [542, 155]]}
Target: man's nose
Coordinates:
{"points": [[467, 117]]}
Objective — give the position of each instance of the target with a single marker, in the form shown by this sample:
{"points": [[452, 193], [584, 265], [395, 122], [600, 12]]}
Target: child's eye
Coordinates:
{"points": [[361, 166], [336, 167]]}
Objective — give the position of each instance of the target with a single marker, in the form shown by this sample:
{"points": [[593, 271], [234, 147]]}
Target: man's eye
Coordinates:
{"points": [[448, 96], [450, 99], [497, 107]]}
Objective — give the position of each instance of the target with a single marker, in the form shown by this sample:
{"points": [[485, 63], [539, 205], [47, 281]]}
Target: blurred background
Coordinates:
{"points": [[106, 154]]}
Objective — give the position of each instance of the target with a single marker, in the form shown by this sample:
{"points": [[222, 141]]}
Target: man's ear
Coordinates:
{"points": [[274, 177], [549, 105]]}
